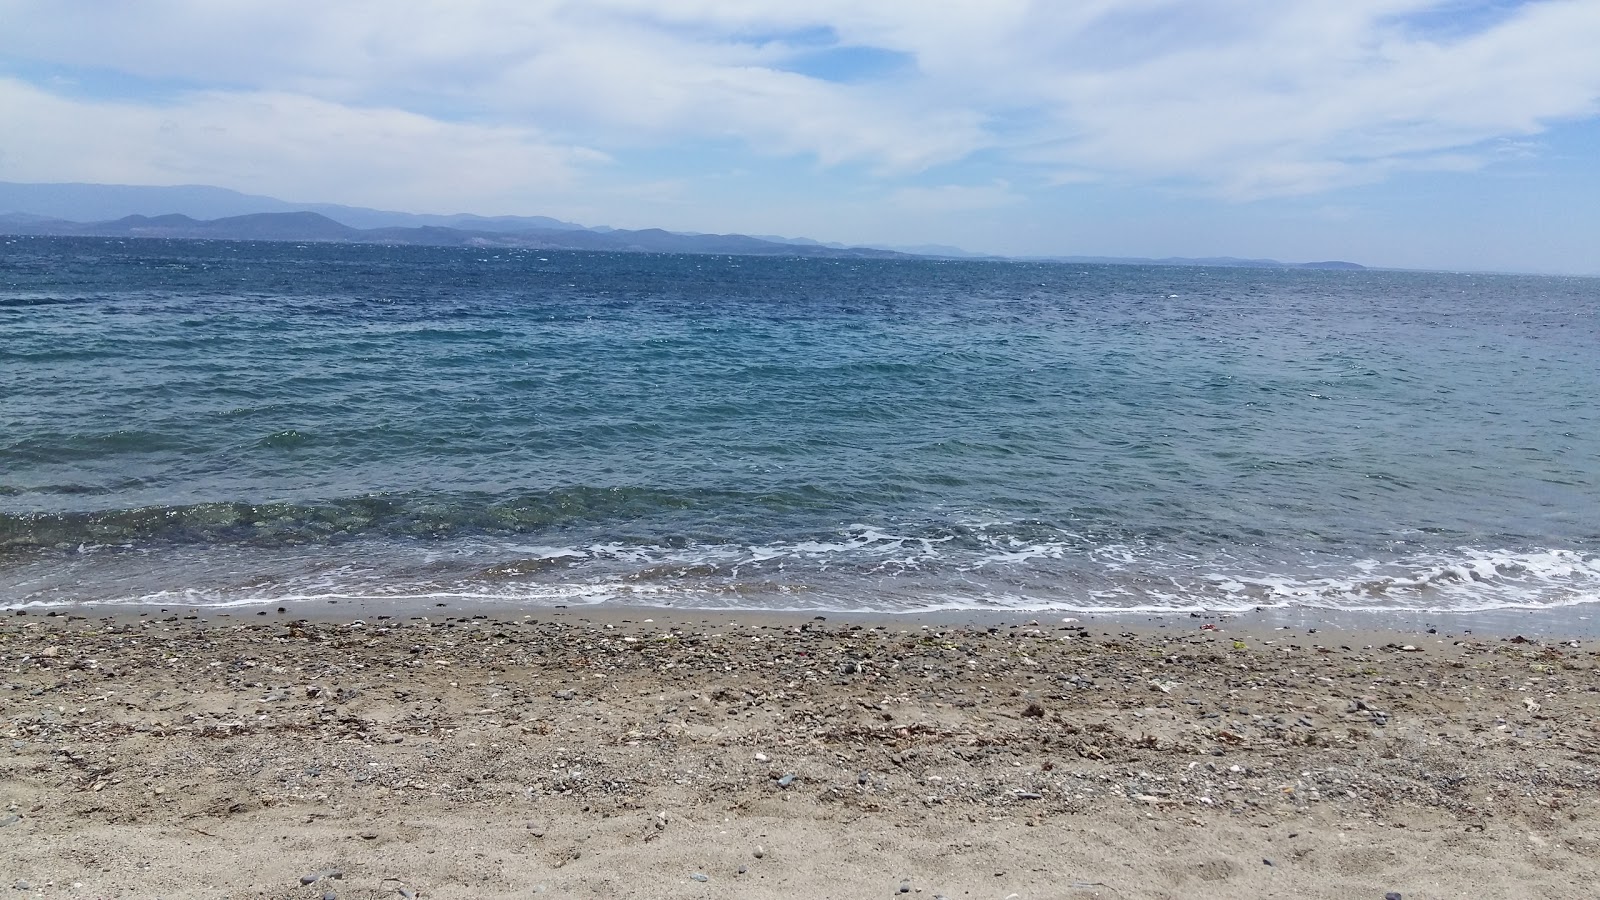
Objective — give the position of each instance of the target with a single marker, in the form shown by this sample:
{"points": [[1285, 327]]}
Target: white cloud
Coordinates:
{"points": [[284, 144], [773, 111], [630, 74], [1244, 98], [1315, 96]]}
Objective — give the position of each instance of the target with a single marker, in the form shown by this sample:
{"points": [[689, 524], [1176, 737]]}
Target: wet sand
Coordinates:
{"points": [[596, 754]]}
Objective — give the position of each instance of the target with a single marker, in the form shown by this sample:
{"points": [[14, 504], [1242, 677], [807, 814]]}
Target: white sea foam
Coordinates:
{"points": [[1468, 580], [986, 566]]}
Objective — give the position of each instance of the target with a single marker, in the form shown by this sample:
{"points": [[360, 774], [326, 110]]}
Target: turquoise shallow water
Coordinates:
{"points": [[224, 423]]}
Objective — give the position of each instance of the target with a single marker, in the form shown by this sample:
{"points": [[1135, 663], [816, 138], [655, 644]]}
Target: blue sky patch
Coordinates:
{"points": [[849, 65]]}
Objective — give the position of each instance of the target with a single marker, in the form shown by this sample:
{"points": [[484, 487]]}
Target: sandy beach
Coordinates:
{"points": [[620, 754]]}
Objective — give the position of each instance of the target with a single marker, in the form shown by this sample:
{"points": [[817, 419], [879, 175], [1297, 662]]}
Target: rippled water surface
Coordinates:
{"points": [[225, 423]]}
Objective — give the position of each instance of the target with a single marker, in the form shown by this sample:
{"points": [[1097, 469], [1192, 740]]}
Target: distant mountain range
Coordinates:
{"points": [[312, 226], [202, 211], [105, 202], [1207, 261]]}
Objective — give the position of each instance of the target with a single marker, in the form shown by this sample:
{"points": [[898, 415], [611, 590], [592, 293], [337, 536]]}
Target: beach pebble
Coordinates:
{"points": [[314, 877], [760, 852], [1392, 895], [905, 887], [786, 780], [330, 895], [700, 876], [565, 695], [407, 893], [10, 820]]}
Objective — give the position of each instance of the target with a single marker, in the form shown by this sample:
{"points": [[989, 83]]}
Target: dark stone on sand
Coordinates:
{"points": [[565, 695], [1392, 895], [905, 887], [311, 878]]}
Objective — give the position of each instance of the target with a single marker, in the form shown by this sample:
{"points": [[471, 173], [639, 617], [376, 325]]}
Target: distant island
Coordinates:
{"points": [[213, 213]]}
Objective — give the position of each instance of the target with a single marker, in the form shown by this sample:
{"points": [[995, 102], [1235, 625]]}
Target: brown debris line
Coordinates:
{"points": [[169, 722]]}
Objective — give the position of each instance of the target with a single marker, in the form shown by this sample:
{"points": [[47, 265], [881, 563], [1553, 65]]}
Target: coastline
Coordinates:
{"points": [[607, 751], [1563, 622]]}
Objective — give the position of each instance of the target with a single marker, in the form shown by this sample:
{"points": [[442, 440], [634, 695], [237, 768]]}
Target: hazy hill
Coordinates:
{"points": [[202, 211], [289, 226], [312, 226], [105, 202], [1206, 261]]}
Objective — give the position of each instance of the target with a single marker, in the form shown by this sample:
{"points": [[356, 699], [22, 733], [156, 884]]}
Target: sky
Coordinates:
{"points": [[1443, 134]]}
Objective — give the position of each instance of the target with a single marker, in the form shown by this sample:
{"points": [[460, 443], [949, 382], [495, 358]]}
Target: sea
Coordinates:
{"points": [[214, 424]]}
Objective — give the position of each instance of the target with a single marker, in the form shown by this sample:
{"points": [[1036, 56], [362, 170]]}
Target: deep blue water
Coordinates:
{"points": [[213, 422]]}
